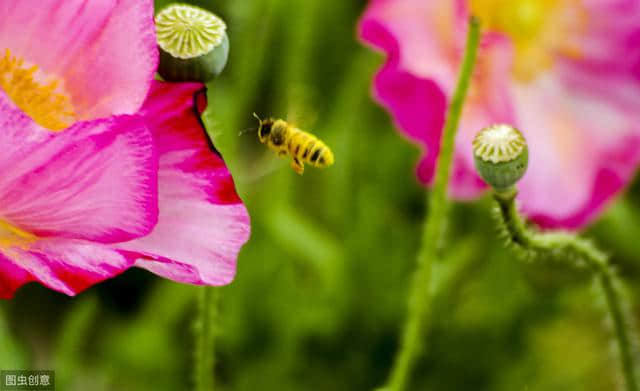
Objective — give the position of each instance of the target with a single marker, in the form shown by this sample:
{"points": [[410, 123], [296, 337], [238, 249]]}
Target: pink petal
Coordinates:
{"points": [[96, 180], [202, 223], [65, 265], [581, 117], [420, 37], [405, 95], [104, 50], [423, 42], [12, 277], [610, 45], [582, 149]]}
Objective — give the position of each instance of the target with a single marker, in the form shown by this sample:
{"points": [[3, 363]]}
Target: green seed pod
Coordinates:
{"points": [[193, 43], [501, 156]]}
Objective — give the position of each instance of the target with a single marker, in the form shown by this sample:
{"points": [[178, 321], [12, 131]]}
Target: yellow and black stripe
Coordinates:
{"points": [[303, 147]]}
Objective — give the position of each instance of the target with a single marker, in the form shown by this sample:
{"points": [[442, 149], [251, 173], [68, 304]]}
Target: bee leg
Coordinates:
{"points": [[297, 166], [282, 153]]}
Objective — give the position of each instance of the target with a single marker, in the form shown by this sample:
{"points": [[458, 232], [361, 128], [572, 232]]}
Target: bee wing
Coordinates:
{"points": [[265, 165], [300, 107]]}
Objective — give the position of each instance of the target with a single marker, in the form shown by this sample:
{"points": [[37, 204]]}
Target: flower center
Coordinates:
{"points": [[41, 98], [187, 31], [498, 143], [540, 30]]}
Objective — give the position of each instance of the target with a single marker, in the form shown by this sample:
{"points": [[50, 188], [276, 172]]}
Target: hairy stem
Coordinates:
{"points": [[413, 336], [205, 330], [566, 247]]}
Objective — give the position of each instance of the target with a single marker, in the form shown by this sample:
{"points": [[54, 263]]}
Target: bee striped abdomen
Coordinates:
{"points": [[306, 147]]}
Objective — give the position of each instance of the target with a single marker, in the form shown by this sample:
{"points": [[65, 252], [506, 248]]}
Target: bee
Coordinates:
{"points": [[285, 139]]}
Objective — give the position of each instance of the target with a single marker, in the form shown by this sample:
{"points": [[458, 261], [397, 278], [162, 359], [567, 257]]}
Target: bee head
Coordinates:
{"points": [[264, 130]]}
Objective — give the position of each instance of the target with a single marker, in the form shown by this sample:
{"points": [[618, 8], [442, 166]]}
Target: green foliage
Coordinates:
{"points": [[320, 293]]}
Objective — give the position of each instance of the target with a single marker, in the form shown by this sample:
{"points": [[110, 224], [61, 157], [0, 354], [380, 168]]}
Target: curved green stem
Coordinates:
{"points": [[419, 300], [564, 246], [205, 329]]}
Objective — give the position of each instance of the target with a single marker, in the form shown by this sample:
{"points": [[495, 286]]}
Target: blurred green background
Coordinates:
{"points": [[320, 294]]}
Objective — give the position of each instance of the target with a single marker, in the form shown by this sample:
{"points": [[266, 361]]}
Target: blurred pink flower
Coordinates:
{"points": [[565, 72], [104, 168]]}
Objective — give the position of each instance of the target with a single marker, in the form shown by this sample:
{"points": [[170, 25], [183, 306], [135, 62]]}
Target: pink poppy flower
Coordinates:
{"points": [[104, 168], [565, 72]]}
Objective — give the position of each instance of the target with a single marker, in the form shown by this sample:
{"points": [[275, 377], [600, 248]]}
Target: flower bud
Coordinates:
{"points": [[193, 43], [501, 156]]}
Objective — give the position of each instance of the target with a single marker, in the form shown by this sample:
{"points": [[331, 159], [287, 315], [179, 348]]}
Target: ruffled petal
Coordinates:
{"points": [[424, 43], [104, 50], [582, 151], [420, 37], [609, 45], [580, 115], [202, 222], [65, 265], [12, 277], [97, 180]]}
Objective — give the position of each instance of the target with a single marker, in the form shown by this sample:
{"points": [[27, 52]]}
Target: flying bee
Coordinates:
{"points": [[285, 139]]}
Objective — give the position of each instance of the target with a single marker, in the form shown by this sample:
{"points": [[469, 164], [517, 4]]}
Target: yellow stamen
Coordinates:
{"points": [[46, 103], [539, 29]]}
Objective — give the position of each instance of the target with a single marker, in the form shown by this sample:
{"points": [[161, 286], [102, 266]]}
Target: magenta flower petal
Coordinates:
{"points": [[574, 93], [104, 51], [418, 78], [65, 265], [52, 235], [587, 150], [202, 223], [12, 277], [97, 180], [120, 184], [63, 193], [403, 94]]}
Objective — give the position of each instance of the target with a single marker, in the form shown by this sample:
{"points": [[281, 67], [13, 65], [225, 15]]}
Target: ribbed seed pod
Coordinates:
{"points": [[501, 156], [193, 43]]}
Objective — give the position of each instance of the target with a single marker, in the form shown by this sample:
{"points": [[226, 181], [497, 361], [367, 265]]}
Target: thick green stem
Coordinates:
{"points": [[419, 299], [621, 328], [205, 330], [564, 246]]}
